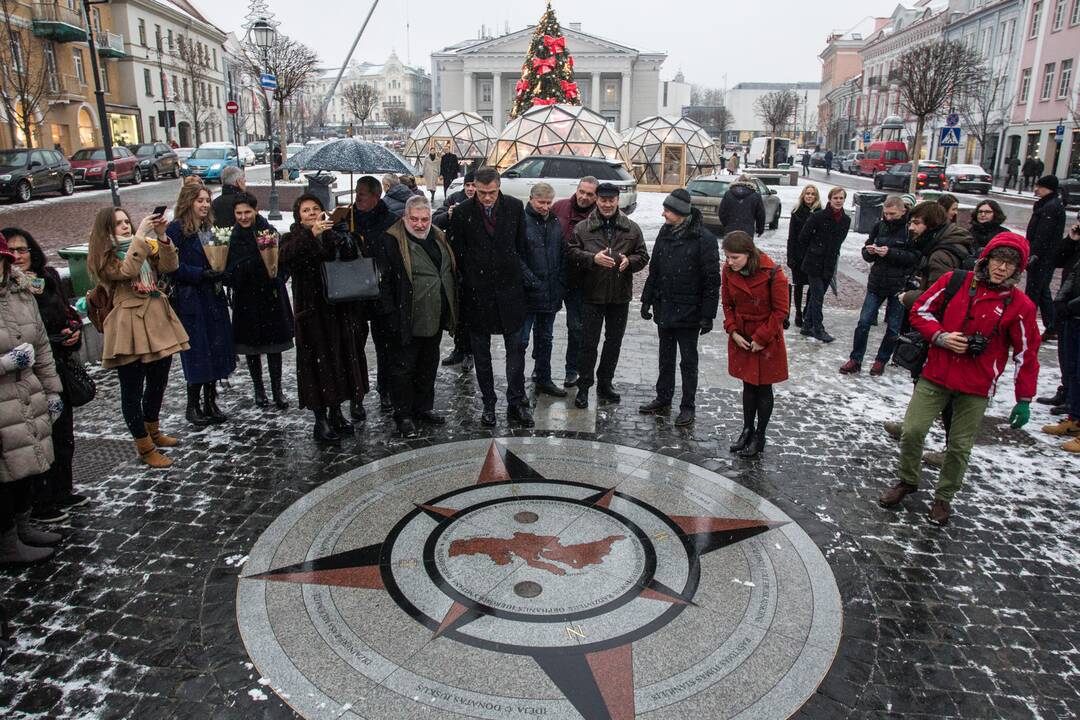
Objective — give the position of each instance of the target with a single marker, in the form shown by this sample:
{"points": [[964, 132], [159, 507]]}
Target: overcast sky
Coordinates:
{"points": [[762, 40]]}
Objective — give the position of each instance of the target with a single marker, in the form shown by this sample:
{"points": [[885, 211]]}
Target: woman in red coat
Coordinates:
{"points": [[754, 292]]}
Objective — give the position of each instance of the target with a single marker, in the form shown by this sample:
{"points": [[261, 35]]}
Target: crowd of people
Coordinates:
{"points": [[487, 265]]}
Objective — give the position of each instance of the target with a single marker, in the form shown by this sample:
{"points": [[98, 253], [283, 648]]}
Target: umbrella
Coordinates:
{"points": [[350, 155]]}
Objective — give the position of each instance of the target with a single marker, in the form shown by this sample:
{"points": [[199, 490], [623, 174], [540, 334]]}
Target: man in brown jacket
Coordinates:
{"points": [[608, 248]]}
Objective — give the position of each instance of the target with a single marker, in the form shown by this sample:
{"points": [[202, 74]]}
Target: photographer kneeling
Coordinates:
{"points": [[970, 336]]}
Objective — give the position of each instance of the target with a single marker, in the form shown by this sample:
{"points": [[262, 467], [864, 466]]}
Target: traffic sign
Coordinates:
{"points": [[232, 108], [268, 81], [1059, 131], [952, 119], [950, 137], [867, 136]]}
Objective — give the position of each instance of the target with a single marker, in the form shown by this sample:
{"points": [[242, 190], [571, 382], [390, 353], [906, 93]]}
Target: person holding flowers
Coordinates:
{"points": [[262, 317], [199, 300]]}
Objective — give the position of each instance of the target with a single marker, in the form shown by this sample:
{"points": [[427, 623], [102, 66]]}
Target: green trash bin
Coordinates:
{"points": [[76, 260], [929, 195]]}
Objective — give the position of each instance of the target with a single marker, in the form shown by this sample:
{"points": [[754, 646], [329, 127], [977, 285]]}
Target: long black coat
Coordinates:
{"points": [[742, 208], [224, 206], [441, 217], [683, 286], [796, 251], [982, 234], [543, 270], [889, 274], [822, 237], [261, 313], [330, 363], [449, 166], [492, 283], [395, 284], [367, 228], [1046, 228]]}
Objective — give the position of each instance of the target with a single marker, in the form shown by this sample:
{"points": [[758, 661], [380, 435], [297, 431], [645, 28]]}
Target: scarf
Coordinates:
{"points": [[837, 214], [146, 283]]}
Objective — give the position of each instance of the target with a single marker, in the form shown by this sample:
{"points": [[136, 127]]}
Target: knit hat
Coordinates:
{"points": [[909, 200], [4, 252], [1050, 182], [608, 190], [678, 202]]}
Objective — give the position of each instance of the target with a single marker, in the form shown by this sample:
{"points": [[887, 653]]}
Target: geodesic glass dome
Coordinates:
{"points": [[670, 150], [556, 130], [467, 133]]}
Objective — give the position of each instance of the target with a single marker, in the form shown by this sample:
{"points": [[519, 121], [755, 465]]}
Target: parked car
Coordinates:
{"points": [[931, 176], [294, 148], [25, 173], [707, 191], [208, 162], [882, 155], [563, 172], [967, 177], [817, 159], [88, 165], [850, 163], [183, 153], [1069, 189], [259, 148], [156, 160], [247, 157]]}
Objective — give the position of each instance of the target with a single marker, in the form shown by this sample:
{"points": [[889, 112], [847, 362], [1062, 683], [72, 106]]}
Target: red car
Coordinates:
{"points": [[88, 166]]}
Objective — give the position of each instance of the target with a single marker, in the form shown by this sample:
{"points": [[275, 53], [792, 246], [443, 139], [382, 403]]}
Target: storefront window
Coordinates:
{"points": [[125, 129], [86, 129]]}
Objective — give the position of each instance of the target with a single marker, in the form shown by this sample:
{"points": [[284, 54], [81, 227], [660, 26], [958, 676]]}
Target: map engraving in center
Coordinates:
{"points": [[531, 548]]}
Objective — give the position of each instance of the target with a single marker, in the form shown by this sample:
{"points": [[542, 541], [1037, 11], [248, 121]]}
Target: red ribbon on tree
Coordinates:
{"points": [[543, 65], [544, 101], [570, 61], [569, 89], [522, 86], [555, 45]]}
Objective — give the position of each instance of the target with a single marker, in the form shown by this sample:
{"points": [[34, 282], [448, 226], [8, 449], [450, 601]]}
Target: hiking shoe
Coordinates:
{"points": [[1068, 426], [939, 512], [934, 459], [892, 497], [654, 406], [877, 369], [895, 429], [850, 368]]}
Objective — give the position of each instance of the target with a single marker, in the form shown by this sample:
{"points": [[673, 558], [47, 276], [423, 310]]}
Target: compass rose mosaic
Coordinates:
{"points": [[538, 578]]}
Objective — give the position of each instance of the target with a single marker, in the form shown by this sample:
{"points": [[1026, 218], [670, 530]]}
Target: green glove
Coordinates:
{"points": [[1020, 414]]}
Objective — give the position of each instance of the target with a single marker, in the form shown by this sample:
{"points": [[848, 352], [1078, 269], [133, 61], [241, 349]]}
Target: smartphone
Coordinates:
{"points": [[160, 210], [325, 217]]}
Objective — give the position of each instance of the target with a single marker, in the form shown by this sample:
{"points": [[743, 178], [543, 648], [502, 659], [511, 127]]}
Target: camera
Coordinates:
{"points": [[977, 344]]}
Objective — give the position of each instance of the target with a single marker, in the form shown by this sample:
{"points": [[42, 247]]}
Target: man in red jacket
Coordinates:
{"points": [[970, 340]]}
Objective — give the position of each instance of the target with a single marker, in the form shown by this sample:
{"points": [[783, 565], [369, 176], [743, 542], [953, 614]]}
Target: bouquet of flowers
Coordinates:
{"points": [[216, 246], [267, 241]]}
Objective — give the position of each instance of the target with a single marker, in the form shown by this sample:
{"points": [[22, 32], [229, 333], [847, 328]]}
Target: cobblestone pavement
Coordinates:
{"points": [[135, 617]]}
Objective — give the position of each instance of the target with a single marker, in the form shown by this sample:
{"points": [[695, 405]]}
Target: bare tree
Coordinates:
{"points": [[400, 119], [931, 76], [360, 101], [196, 101], [702, 95], [26, 78], [983, 113], [776, 110], [716, 119], [292, 63]]}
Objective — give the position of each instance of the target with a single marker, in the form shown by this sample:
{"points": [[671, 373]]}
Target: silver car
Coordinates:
{"points": [[707, 191]]}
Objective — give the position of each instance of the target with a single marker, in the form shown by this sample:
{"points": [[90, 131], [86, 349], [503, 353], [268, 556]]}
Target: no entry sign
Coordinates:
{"points": [[232, 108]]}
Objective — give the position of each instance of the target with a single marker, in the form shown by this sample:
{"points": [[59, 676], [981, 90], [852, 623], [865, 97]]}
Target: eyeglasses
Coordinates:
{"points": [[984, 211], [19, 250], [1002, 263]]}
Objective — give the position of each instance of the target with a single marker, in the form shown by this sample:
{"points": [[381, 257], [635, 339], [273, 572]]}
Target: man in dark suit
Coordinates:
{"points": [[488, 236]]}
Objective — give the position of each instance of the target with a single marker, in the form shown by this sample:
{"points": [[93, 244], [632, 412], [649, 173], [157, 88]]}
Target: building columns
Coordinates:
{"points": [[498, 115], [624, 98], [470, 90], [594, 97]]}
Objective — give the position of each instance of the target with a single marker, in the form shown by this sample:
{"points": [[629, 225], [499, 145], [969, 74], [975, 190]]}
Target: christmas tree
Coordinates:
{"points": [[547, 77]]}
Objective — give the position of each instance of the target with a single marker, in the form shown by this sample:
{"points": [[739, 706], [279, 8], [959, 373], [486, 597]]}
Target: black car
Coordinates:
{"points": [[156, 160], [931, 176], [25, 173], [1069, 189], [818, 159], [259, 148]]}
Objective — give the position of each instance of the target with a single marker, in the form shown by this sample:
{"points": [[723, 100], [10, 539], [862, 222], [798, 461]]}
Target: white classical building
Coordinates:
{"points": [[619, 82], [402, 86], [745, 120]]}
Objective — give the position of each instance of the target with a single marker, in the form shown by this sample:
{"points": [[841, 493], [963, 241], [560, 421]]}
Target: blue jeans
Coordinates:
{"points": [[894, 316], [815, 298], [574, 307], [542, 328]]}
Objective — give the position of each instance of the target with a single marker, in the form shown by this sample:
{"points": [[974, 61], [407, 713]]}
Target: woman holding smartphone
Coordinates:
{"points": [[141, 333]]}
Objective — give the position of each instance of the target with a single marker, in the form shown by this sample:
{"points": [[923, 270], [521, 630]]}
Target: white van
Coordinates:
{"points": [[759, 146]]}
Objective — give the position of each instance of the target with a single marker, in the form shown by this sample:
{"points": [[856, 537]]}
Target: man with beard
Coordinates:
{"points": [[571, 211]]}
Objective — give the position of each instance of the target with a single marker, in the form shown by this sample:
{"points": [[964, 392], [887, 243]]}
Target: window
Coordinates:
{"points": [[185, 88], [142, 32], [50, 66], [80, 72], [17, 52], [157, 38], [485, 92], [611, 92], [1074, 16], [214, 50], [104, 77], [217, 94], [1059, 14], [1036, 19], [1066, 78], [169, 37], [988, 41], [562, 168], [95, 19], [173, 87], [1008, 30], [1025, 85], [148, 83], [1048, 80]]}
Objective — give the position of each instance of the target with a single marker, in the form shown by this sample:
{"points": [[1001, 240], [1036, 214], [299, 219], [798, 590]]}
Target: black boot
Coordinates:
{"points": [[744, 440], [274, 362], [606, 391], [1058, 398], [194, 412], [323, 432], [210, 407], [357, 411], [454, 358], [754, 447], [254, 363], [338, 422]]}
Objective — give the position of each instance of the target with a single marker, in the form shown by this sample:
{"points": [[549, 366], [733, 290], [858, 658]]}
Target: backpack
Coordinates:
{"points": [[912, 348], [98, 306]]}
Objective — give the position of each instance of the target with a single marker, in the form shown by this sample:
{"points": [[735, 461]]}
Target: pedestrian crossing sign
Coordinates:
{"points": [[950, 137]]}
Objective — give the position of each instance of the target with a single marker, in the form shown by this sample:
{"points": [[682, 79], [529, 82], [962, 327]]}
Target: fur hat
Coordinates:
{"points": [[678, 202]]}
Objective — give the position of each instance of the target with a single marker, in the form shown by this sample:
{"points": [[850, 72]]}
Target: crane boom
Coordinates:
{"points": [[344, 65]]}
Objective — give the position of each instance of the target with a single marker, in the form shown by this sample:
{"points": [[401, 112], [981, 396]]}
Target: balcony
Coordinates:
{"points": [[394, 104], [58, 23], [109, 44], [68, 87]]}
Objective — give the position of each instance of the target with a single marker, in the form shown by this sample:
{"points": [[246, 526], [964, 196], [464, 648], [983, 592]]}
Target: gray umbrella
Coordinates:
{"points": [[350, 155]]}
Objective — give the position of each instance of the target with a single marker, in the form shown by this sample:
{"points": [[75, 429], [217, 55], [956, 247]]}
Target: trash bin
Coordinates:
{"points": [[868, 207], [930, 195], [318, 184], [76, 260]]}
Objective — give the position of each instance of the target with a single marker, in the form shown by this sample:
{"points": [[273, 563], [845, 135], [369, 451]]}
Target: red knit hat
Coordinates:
{"points": [[4, 252]]}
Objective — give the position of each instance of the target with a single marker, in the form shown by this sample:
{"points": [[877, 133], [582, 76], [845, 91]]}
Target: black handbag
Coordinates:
{"points": [[912, 349], [79, 387], [350, 280]]}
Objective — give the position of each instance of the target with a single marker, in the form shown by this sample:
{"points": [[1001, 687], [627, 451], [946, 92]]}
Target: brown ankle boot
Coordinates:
{"points": [[939, 512], [149, 454], [893, 496], [160, 439]]}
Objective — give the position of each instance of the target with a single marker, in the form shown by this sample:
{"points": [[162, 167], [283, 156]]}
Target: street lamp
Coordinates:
{"points": [[263, 34], [99, 94]]}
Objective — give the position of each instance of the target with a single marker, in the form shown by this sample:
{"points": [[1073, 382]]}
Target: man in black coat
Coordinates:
{"points": [[449, 167], [1028, 172], [893, 257], [488, 235], [742, 208], [365, 221], [822, 236], [828, 162], [441, 218], [233, 184], [683, 290], [543, 271], [1045, 231], [462, 352]]}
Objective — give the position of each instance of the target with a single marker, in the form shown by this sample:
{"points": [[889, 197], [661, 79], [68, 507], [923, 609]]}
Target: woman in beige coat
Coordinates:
{"points": [[431, 173], [29, 401], [142, 332]]}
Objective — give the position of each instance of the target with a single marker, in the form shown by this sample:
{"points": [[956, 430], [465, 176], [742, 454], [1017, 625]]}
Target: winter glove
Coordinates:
{"points": [[56, 406], [213, 276], [1020, 414], [19, 358], [706, 325], [645, 314]]}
